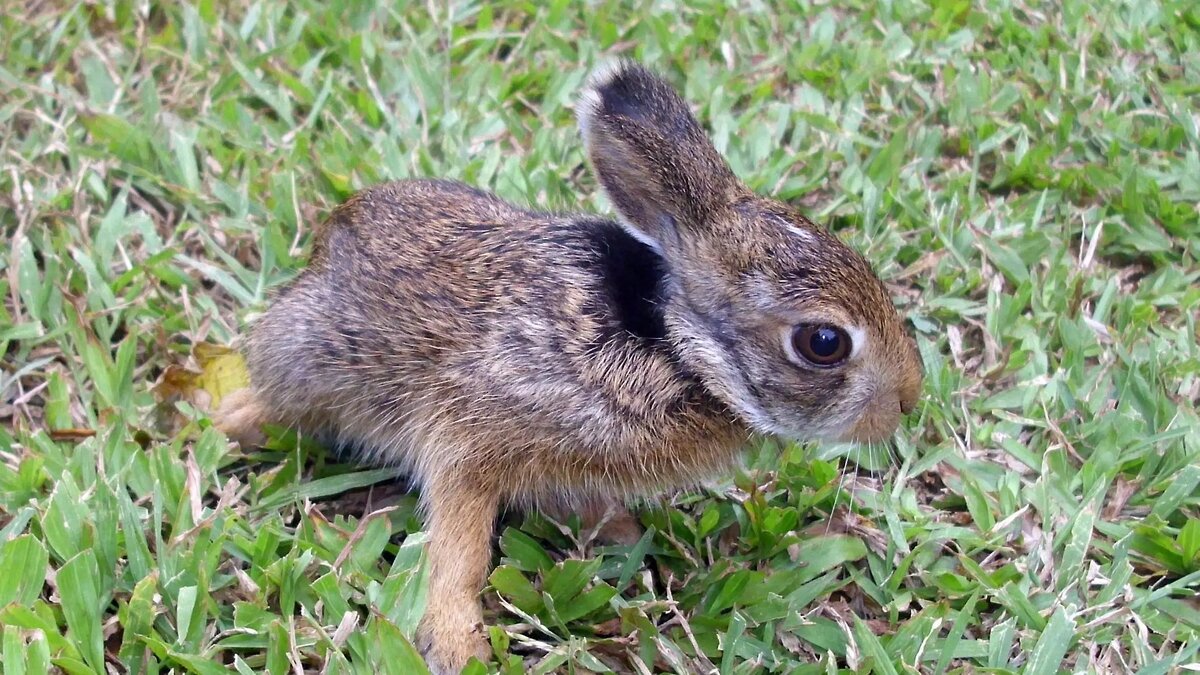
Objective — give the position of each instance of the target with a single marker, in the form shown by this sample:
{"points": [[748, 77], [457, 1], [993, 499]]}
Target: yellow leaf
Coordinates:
{"points": [[219, 372], [222, 371]]}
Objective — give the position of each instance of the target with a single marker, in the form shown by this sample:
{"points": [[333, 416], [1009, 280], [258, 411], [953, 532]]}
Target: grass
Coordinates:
{"points": [[1025, 177]]}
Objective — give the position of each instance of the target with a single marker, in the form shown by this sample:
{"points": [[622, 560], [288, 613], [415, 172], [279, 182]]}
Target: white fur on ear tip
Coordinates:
{"points": [[606, 72], [589, 101], [586, 109]]}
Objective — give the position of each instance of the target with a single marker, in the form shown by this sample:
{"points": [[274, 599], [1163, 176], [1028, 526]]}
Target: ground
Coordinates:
{"points": [[1026, 179]]}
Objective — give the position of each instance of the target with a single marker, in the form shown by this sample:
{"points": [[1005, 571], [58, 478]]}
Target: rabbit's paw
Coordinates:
{"points": [[619, 526], [604, 520], [449, 636]]}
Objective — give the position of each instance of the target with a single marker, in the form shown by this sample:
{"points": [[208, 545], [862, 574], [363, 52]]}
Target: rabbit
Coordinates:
{"points": [[506, 356]]}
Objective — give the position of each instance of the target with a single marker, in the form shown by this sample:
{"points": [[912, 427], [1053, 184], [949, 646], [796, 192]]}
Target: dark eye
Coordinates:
{"points": [[821, 345]]}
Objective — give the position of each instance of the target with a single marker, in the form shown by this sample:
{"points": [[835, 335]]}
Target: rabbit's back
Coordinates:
{"points": [[437, 315]]}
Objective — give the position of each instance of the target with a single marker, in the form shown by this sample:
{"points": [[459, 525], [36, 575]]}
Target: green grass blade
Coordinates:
{"points": [[79, 587]]}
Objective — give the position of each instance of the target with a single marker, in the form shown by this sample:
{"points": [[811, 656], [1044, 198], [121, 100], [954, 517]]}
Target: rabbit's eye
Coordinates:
{"points": [[821, 345]]}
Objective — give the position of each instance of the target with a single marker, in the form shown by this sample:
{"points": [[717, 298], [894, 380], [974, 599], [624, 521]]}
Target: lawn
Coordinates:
{"points": [[1026, 179]]}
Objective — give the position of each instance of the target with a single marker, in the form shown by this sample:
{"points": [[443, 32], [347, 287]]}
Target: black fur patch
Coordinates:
{"points": [[633, 276]]}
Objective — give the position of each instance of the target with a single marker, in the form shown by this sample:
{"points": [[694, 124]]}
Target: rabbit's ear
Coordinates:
{"points": [[655, 162]]}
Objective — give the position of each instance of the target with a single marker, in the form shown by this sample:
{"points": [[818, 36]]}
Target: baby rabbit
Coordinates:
{"points": [[503, 355]]}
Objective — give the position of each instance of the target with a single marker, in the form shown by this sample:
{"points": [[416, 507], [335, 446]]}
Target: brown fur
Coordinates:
{"points": [[505, 355]]}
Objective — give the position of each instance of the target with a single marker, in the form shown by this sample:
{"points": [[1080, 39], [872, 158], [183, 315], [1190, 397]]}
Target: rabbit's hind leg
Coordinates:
{"points": [[241, 416], [295, 363]]}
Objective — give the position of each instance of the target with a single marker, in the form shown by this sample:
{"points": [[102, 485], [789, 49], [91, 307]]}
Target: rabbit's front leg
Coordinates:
{"points": [[461, 518]]}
